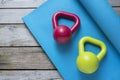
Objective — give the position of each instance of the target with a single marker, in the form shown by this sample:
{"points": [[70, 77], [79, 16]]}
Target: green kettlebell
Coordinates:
{"points": [[88, 62]]}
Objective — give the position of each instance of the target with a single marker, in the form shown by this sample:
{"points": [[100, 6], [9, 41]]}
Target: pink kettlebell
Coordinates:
{"points": [[62, 34]]}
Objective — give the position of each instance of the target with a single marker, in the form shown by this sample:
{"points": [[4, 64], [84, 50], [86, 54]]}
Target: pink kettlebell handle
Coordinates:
{"points": [[68, 15]]}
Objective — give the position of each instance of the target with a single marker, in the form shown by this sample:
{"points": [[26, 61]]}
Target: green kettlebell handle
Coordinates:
{"points": [[95, 42]]}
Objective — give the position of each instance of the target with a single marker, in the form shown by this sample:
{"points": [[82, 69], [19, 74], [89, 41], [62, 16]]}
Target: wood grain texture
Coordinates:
{"points": [[16, 35], [24, 58], [20, 3], [30, 75], [34, 3], [15, 15]]}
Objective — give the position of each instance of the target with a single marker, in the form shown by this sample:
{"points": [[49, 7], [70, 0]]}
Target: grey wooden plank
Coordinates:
{"points": [[24, 58], [21, 3], [115, 2], [35, 3], [16, 35], [15, 15], [30, 75]]}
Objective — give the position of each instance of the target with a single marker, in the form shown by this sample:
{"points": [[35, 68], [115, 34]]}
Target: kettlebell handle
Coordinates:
{"points": [[68, 15], [96, 42]]}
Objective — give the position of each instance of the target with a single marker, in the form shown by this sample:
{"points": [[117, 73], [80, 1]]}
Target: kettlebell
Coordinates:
{"points": [[62, 34], [88, 62]]}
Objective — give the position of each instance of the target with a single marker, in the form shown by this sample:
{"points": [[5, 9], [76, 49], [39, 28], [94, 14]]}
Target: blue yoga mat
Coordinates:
{"points": [[64, 57], [106, 18]]}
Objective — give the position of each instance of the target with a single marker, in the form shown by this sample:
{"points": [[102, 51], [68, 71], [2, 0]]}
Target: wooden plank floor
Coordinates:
{"points": [[21, 57]]}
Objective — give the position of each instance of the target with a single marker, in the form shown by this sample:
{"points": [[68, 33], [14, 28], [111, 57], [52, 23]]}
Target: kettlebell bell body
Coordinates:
{"points": [[62, 34], [88, 62]]}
